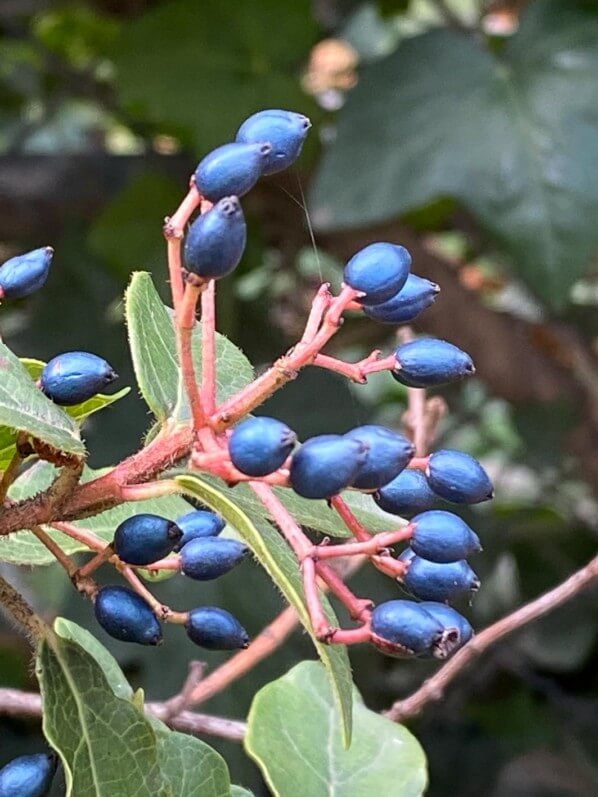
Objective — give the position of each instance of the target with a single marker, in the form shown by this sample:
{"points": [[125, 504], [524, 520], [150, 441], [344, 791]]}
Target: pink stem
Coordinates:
{"points": [[358, 608], [161, 611], [319, 306], [352, 636], [185, 346], [174, 231], [97, 561], [373, 546], [419, 463], [320, 623], [170, 563], [149, 490], [84, 536], [208, 347], [357, 372]]}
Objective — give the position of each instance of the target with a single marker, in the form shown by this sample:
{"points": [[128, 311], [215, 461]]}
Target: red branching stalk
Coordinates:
{"points": [[208, 347], [174, 231]]}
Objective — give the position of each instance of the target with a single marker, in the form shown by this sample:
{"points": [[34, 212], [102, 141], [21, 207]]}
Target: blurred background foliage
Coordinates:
{"points": [[466, 130]]}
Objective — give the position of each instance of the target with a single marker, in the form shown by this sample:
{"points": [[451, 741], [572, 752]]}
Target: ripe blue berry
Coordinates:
{"points": [[443, 537], [388, 453], [143, 539], [75, 376], [431, 581], [231, 170], [415, 296], [286, 131], [380, 271], [28, 775], [215, 629], [459, 478], [199, 523], [259, 446], [407, 494], [429, 362], [24, 274], [403, 627], [205, 558], [450, 618], [325, 465], [124, 615], [216, 240]]}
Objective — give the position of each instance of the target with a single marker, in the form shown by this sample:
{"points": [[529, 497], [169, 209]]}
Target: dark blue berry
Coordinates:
{"points": [[284, 130], [325, 465], [199, 523], [387, 455], [28, 775], [143, 539], [443, 537], [450, 618], [429, 362], [124, 615], [458, 477], [216, 240], [75, 376], [403, 627], [24, 274], [205, 558], [379, 271], [215, 629], [415, 296], [407, 494], [259, 446], [431, 581], [231, 170]]}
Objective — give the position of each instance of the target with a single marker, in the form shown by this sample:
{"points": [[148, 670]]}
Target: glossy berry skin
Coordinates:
{"points": [[450, 618], [408, 628], [325, 465], [75, 376], [284, 130], [407, 494], [429, 362], [431, 581], [231, 170], [458, 477], [28, 775], [25, 274], [387, 455], [206, 558], [215, 629], [443, 537], [259, 446], [380, 271], [199, 523], [216, 240], [143, 539], [415, 296], [124, 615]]}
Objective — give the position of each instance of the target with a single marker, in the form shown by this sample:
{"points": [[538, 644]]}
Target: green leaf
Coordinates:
{"points": [[191, 767], [25, 408], [275, 556], [293, 735], [514, 136], [108, 748], [25, 549], [240, 791], [237, 65], [153, 348]]}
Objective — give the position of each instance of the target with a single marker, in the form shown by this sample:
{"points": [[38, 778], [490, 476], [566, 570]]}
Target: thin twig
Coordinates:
{"points": [[177, 704], [9, 475], [208, 348]]}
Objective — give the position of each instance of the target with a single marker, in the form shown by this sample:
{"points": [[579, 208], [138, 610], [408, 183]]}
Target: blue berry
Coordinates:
{"points": [[259, 446], [216, 240], [231, 170], [450, 618], [28, 775], [443, 537], [458, 477], [405, 628], [407, 494], [415, 296], [387, 455], [429, 362], [284, 130], [431, 581], [24, 274], [143, 539], [124, 615], [206, 558], [215, 629], [75, 376], [199, 523], [379, 271], [325, 465]]}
